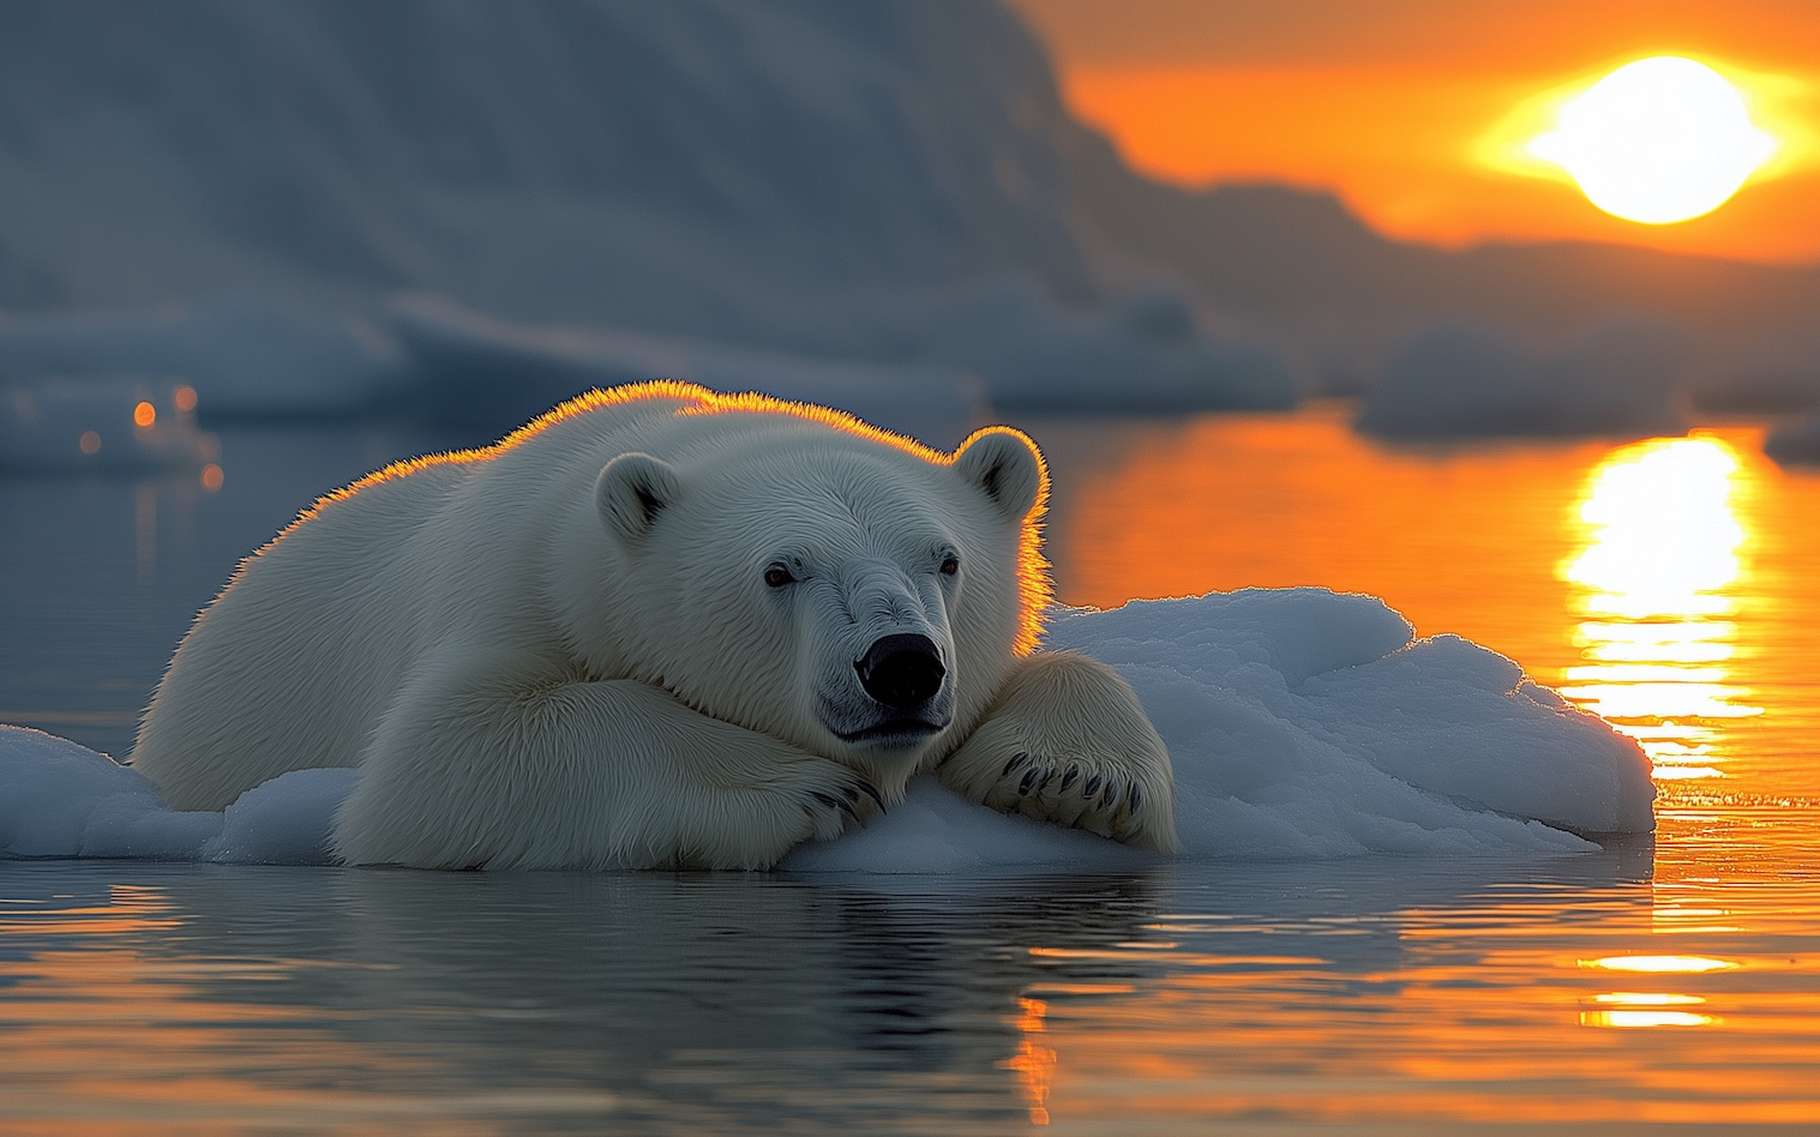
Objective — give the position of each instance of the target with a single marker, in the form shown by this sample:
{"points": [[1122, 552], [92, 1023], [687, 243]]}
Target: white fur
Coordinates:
{"points": [[562, 650]]}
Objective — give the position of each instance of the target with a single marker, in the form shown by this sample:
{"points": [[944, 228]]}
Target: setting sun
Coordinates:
{"points": [[1657, 141]]}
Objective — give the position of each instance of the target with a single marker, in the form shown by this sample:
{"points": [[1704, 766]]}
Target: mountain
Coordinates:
{"points": [[895, 183], [877, 181], [1299, 265], [565, 161]]}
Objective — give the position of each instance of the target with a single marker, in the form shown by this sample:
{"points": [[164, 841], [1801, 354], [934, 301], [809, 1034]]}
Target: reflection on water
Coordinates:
{"points": [[1671, 584], [1624, 1019], [1661, 535], [1686, 964], [1034, 1062], [1354, 994], [1658, 579]]}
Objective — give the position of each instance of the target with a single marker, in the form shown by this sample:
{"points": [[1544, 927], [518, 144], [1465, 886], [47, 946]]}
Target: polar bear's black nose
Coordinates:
{"points": [[902, 671]]}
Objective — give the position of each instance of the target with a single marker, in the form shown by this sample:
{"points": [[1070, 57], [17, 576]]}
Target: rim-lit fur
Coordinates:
{"points": [[563, 649]]}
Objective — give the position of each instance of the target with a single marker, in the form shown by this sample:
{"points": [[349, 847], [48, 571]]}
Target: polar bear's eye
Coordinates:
{"points": [[951, 564], [778, 574]]}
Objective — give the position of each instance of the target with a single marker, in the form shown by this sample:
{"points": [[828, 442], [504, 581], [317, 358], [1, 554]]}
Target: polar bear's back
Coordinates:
{"points": [[295, 659]]}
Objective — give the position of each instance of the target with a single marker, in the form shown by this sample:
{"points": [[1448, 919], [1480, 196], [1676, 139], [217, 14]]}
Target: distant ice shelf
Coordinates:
{"points": [[1303, 723], [1796, 442], [1462, 383]]}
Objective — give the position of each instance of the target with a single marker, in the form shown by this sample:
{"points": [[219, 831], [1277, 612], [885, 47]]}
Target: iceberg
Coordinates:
{"points": [[1469, 383], [1303, 724], [1796, 442]]}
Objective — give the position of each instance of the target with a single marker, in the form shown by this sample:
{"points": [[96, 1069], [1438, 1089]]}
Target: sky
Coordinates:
{"points": [[1402, 107]]}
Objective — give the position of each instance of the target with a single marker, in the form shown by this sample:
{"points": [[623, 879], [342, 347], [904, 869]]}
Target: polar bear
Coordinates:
{"points": [[658, 626]]}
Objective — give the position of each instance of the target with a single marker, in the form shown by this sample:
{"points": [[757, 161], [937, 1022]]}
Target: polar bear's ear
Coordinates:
{"points": [[631, 491], [1005, 466]]}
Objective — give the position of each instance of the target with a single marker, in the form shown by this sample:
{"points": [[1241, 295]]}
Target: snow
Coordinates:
{"points": [[51, 789], [1796, 442], [286, 821], [58, 799], [1457, 382], [1303, 723]]}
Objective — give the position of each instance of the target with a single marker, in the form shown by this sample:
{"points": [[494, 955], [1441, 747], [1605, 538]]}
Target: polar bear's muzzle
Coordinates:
{"points": [[905, 682]]}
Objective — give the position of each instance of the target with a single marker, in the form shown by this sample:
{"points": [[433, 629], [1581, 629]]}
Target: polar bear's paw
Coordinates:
{"points": [[833, 798], [754, 824], [1107, 794], [1068, 743]]}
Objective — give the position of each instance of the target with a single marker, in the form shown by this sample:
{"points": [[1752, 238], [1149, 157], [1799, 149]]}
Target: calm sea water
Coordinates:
{"points": [[1671, 584]]}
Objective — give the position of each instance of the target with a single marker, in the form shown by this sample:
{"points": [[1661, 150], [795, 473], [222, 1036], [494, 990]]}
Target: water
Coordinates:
{"points": [[1671, 584]]}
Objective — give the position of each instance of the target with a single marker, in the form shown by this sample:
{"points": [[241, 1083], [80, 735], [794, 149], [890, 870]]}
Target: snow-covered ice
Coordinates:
{"points": [[58, 799], [1303, 723]]}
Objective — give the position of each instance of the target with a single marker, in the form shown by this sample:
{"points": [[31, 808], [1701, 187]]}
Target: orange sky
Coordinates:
{"points": [[1385, 102]]}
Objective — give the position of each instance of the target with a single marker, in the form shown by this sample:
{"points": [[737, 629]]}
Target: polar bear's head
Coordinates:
{"points": [[829, 584]]}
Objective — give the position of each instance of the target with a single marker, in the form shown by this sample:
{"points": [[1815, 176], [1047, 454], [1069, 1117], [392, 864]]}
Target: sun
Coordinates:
{"points": [[1657, 141]]}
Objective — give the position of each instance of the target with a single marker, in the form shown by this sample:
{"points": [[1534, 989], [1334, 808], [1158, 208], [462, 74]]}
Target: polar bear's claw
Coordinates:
{"points": [[870, 790], [1067, 743], [837, 807], [1104, 794], [835, 803]]}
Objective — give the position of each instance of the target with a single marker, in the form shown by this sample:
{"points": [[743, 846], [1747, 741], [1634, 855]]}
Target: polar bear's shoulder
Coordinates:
{"points": [[586, 416], [657, 415], [663, 415]]}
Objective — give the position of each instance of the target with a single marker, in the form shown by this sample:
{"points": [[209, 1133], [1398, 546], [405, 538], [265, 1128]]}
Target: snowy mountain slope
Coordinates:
{"points": [[566, 161], [877, 181]]}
